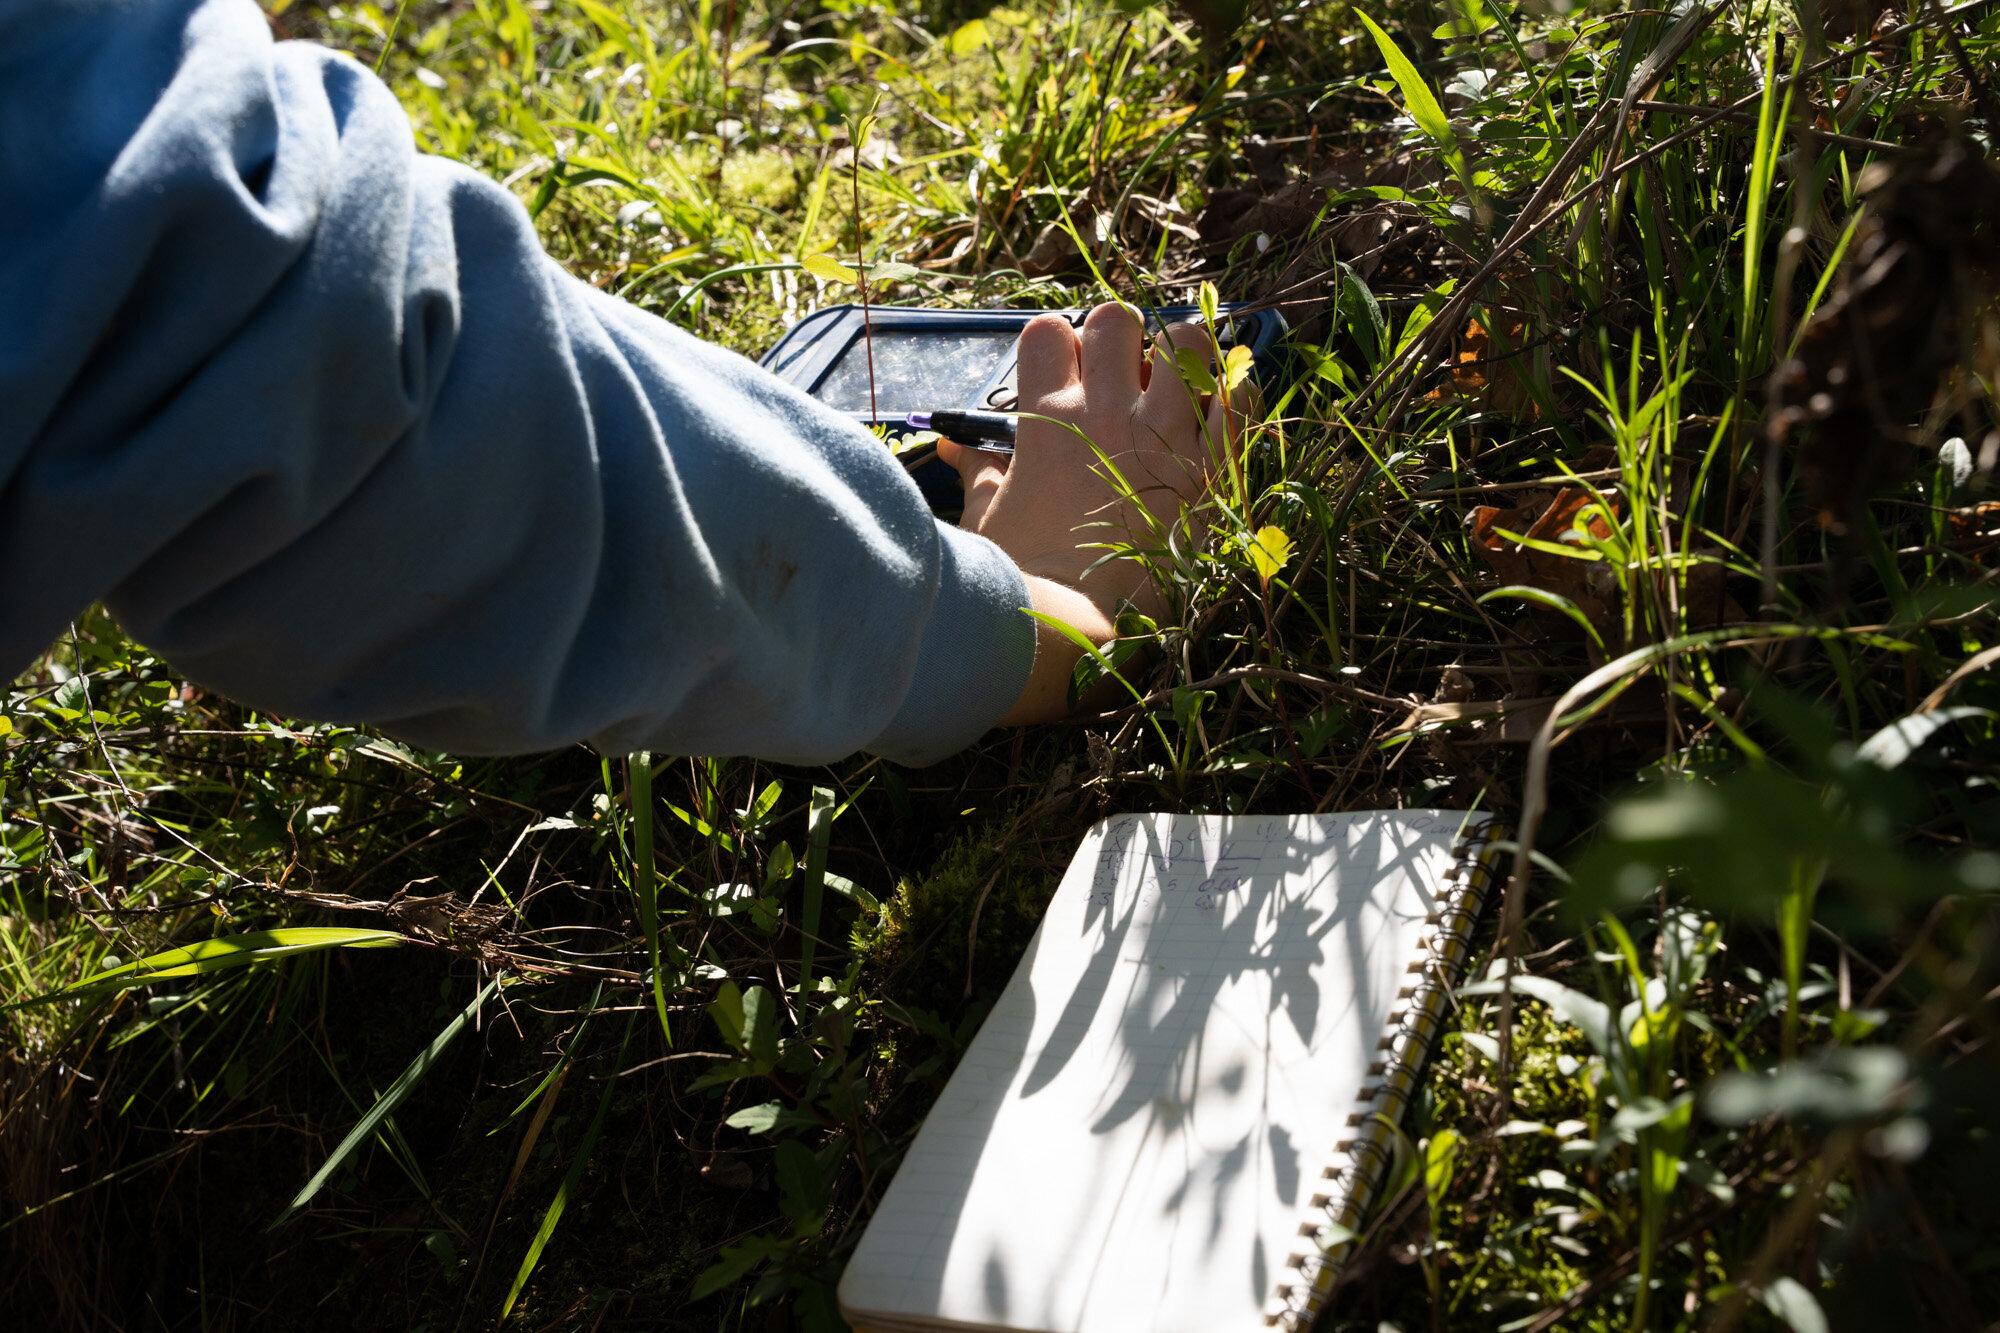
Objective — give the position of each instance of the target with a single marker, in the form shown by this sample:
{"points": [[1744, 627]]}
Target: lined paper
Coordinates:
{"points": [[1130, 1141]]}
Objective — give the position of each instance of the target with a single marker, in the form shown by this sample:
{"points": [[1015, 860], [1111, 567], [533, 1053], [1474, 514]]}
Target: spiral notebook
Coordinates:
{"points": [[1179, 1088]]}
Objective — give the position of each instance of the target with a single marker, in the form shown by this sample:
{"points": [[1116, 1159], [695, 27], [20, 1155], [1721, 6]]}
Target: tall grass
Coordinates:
{"points": [[1725, 1054]]}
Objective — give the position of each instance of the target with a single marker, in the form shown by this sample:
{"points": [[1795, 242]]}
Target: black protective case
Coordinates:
{"points": [[957, 359]]}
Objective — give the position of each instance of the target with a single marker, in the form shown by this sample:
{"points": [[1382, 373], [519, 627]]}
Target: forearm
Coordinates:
{"points": [[319, 421]]}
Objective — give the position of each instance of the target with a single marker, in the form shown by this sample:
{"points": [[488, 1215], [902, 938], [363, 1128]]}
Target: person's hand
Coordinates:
{"points": [[1054, 507]]}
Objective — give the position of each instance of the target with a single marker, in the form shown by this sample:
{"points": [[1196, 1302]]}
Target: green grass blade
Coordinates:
{"points": [[389, 37], [733, 271], [1071, 633], [1773, 116], [819, 833], [562, 1063], [405, 1083], [1421, 102], [645, 877], [1555, 601], [568, 1187], [258, 946]]}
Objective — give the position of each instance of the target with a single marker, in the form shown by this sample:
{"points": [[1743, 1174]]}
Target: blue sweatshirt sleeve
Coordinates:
{"points": [[320, 423]]}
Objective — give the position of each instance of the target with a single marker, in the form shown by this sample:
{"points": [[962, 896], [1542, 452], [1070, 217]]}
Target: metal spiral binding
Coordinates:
{"points": [[1344, 1191]]}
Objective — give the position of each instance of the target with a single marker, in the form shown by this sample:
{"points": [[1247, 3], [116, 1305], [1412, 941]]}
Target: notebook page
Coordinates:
{"points": [[1129, 1142]]}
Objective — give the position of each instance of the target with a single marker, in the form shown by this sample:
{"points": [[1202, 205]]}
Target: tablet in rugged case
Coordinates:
{"points": [[926, 360]]}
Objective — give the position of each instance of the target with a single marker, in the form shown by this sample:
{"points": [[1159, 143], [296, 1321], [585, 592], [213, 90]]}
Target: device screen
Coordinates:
{"points": [[916, 370]]}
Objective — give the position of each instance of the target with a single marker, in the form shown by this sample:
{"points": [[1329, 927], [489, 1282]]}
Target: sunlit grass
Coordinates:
{"points": [[1346, 635]]}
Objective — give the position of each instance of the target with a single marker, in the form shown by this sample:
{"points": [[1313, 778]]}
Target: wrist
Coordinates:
{"points": [[1046, 697]]}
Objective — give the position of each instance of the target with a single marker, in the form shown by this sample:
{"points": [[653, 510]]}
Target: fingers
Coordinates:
{"points": [[1170, 406], [980, 473], [1114, 352], [1224, 410], [1049, 359], [1224, 424], [1225, 418], [1228, 413]]}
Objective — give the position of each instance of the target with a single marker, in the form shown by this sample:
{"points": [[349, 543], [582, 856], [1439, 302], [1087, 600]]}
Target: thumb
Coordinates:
{"points": [[980, 473]]}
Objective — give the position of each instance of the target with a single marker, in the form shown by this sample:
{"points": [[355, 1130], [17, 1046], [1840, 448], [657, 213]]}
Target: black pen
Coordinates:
{"points": [[992, 432]]}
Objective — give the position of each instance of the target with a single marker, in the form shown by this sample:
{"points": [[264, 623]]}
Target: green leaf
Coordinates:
{"points": [[1210, 301], [606, 18], [1593, 1017], [227, 951], [727, 1071], [1193, 363], [1471, 17], [1440, 1157], [1269, 550], [828, 269], [1640, 1113], [1660, 1026], [1483, 1044], [1236, 366], [967, 38], [1787, 1298], [803, 1189], [756, 1119], [738, 1260], [1362, 314], [1190, 704], [1091, 669], [767, 1116], [439, 1244], [779, 867], [1896, 742], [1665, 1143], [767, 800], [1831, 1087], [554, 822], [727, 1011], [1075, 636], [760, 1024], [1418, 99], [386, 1104], [890, 270], [707, 830], [1425, 311], [1674, 813], [847, 888]]}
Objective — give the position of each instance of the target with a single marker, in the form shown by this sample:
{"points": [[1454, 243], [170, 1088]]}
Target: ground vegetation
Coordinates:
{"points": [[1633, 479]]}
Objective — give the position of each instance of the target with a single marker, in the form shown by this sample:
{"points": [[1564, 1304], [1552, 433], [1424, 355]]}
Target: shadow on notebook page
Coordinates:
{"points": [[1228, 877], [1183, 1014], [1163, 1061]]}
